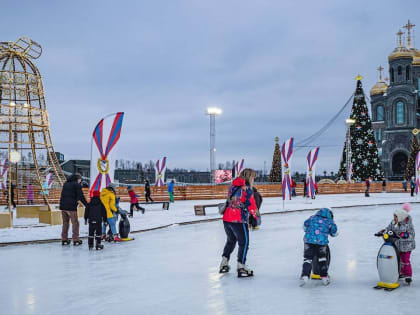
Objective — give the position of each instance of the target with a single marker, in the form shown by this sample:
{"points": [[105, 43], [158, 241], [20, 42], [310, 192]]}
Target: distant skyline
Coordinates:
{"points": [[275, 68]]}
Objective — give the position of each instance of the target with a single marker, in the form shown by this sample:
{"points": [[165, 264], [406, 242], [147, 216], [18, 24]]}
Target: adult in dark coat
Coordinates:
{"points": [[147, 191], [71, 194]]}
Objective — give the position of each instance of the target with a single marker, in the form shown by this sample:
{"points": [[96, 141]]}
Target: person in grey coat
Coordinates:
{"points": [[402, 226]]}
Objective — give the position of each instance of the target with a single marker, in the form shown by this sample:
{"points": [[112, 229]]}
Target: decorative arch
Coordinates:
{"points": [[399, 160]]}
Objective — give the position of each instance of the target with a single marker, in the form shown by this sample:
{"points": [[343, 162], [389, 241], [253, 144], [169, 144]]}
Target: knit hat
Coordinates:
{"points": [[401, 214], [406, 207], [129, 187], [96, 193]]}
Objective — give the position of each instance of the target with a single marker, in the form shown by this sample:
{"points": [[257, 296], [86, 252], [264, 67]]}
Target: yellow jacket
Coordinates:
{"points": [[108, 199]]}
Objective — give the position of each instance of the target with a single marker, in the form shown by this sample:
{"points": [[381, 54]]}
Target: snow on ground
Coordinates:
{"points": [[181, 211], [175, 271]]}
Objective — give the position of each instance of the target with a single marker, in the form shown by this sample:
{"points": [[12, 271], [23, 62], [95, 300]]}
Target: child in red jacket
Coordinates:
{"points": [[134, 202]]}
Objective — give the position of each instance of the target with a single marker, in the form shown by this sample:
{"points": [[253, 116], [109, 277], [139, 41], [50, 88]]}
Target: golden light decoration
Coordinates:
{"points": [[415, 131], [24, 130]]}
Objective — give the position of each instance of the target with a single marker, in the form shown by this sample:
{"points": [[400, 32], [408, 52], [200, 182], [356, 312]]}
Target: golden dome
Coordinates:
{"points": [[416, 58], [401, 52], [379, 88]]}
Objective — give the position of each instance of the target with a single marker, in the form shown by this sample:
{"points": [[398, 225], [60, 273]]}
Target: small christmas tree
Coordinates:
{"points": [[275, 173], [411, 164], [364, 153]]}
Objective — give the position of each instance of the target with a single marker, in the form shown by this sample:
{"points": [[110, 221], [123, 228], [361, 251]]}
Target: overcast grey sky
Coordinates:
{"points": [[277, 68]]}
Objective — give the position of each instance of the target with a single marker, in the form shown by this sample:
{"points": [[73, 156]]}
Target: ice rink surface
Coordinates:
{"points": [[175, 271]]}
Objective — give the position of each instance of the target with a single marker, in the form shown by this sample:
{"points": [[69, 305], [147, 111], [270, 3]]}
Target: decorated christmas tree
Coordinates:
{"points": [[365, 160], [275, 173], [415, 147]]}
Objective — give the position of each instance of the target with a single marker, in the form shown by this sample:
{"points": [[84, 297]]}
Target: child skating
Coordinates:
{"points": [[402, 226], [95, 214], [134, 202], [317, 229]]}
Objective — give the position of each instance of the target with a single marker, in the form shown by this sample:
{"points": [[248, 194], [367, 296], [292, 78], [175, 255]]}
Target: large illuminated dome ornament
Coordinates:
{"points": [[24, 124]]}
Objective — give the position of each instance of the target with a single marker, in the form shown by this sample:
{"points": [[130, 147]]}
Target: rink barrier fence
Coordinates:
{"points": [[207, 192], [4, 244]]}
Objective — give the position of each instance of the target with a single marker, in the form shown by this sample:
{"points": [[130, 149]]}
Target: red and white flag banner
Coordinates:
{"points": [[102, 163], [239, 167], [4, 167], [160, 169], [310, 172], [286, 155]]}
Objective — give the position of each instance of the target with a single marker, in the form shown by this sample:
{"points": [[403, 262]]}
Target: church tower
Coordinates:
{"points": [[396, 106]]}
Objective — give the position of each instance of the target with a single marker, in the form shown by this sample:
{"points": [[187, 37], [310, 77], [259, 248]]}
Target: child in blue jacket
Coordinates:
{"points": [[317, 229]]}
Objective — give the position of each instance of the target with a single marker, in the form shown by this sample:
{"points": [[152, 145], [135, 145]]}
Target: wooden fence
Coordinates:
{"points": [[213, 192]]}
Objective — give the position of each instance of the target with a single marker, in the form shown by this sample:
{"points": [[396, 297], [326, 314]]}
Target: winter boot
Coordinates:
{"points": [[244, 271], [117, 239], [325, 280], [142, 210], [224, 265], [303, 280], [99, 246], [77, 243], [408, 280], [65, 242]]}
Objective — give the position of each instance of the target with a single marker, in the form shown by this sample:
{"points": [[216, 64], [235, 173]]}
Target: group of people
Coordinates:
{"points": [[241, 205]]}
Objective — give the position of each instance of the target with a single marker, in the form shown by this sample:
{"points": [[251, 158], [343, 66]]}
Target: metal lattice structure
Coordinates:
{"points": [[25, 140]]}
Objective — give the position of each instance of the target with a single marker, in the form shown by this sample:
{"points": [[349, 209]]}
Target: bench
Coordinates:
{"points": [[5, 219], [201, 209], [50, 217], [29, 211], [165, 204]]}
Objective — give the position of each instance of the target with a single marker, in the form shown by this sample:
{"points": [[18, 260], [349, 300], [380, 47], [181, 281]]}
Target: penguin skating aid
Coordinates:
{"points": [[388, 262]]}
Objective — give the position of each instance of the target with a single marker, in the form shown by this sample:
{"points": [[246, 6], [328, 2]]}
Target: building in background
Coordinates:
{"points": [[396, 106]]}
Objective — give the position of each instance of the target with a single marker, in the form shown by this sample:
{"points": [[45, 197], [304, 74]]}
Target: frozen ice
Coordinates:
{"points": [[175, 271]]}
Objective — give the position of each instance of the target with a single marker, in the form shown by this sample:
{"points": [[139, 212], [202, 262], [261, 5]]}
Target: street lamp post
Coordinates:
{"points": [[213, 112], [349, 123]]}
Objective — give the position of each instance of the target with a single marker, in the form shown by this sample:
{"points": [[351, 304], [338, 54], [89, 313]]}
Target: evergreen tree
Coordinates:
{"points": [[411, 164], [275, 173], [364, 153]]}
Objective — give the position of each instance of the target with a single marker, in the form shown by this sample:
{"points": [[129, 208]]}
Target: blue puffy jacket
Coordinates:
{"points": [[319, 226]]}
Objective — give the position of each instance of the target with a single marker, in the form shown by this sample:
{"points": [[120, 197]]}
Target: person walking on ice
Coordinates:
{"points": [[171, 190], [147, 191], [317, 229]]}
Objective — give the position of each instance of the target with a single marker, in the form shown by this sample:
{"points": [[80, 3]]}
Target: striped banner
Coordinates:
{"points": [[310, 173], [160, 169], [4, 167], [239, 166], [286, 154], [102, 164], [417, 172]]}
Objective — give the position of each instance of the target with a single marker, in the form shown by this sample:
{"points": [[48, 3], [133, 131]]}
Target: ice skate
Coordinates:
{"points": [[244, 271], [303, 281], [325, 280], [65, 242], [99, 246], [143, 210], [408, 280], [77, 243], [224, 265]]}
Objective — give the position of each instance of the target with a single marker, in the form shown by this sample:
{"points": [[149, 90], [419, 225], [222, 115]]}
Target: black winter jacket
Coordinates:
{"points": [[71, 194], [95, 211], [147, 188]]}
